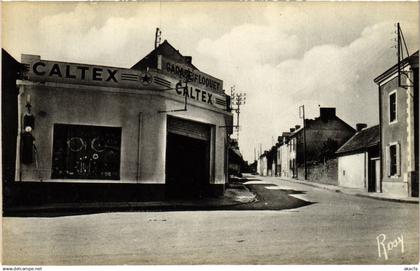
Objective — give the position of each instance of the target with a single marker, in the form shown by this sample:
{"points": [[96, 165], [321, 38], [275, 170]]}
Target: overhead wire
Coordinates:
{"points": [[376, 55]]}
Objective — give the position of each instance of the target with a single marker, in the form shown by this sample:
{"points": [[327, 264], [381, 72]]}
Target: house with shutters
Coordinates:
{"points": [[399, 131]]}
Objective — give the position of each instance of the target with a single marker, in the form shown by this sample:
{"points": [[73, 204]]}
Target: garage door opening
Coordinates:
{"points": [[187, 159]]}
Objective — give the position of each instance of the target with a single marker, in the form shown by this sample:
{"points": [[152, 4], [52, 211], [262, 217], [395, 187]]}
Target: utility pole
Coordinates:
{"points": [[237, 121], [401, 47], [398, 53], [302, 115], [232, 91], [238, 99]]}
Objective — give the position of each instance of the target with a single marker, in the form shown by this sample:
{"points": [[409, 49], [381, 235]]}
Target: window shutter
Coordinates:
{"points": [[388, 161], [398, 159]]}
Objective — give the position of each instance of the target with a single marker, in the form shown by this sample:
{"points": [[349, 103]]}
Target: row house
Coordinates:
{"points": [[359, 161], [398, 89], [267, 162], [283, 155], [262, 164], [272, 161], [382, 158], [323, 136]]}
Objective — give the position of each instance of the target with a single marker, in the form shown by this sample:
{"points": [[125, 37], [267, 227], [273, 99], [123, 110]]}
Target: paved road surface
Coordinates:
{"points": [[336, 229]]}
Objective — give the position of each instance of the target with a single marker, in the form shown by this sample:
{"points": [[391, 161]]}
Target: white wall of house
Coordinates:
{"points": [[285, 169], [262, 166], [352, 170]]}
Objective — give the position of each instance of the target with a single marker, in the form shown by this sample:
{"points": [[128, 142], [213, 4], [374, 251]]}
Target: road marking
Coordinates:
{"points": [[273, 187], [300, 196], [257, 182]]}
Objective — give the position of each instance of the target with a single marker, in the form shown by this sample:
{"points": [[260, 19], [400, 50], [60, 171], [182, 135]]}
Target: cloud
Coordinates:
{"points": [[277, 82], [283, 55], [86, 34], [250, 43]]}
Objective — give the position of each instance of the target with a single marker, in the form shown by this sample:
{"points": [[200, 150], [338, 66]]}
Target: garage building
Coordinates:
{"points": [[159, 129]]}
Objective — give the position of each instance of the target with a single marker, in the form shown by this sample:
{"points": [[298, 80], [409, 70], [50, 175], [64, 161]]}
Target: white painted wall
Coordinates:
{"points": [[86, 105], [351, 171], [285, 168], [264, 166]]}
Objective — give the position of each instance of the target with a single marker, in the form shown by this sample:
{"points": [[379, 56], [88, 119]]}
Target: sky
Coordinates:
{"points": [[282, 55]]}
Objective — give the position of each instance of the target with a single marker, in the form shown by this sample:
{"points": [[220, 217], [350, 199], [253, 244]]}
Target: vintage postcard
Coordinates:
{"points": [[210, 133]]}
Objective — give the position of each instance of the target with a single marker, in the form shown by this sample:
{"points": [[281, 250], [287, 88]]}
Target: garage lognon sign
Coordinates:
{"points": [[194, 76]]}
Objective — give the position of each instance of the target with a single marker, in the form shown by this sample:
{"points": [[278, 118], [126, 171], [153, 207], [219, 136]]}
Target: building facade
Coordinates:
{"points": [[9, 119], [272, 161], [359, 161], [235, 161], [159, 126], [262, 164], [398, 118], [323, 136], [283, 154]]}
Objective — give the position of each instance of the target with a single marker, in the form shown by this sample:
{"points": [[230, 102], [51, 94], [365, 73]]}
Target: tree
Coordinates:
{"points": [[328, 150]]}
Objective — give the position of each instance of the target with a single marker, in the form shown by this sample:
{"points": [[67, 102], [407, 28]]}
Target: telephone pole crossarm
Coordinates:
{"points": [[238, 99]]}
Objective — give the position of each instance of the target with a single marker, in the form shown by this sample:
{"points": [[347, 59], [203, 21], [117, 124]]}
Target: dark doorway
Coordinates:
{"points": [[187, 166], [372, 175]]}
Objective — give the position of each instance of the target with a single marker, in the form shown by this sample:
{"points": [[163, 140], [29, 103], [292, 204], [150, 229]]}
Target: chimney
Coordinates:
{"points": [[297, 127], [188, 59], [360, 126], [327, 113], [292, 130]]}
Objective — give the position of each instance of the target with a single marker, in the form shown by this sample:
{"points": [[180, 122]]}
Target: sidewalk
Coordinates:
{"points": [[234, 195], [353, 191]]}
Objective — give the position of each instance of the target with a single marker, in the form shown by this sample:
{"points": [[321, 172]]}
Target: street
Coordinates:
{"points": [[335, 229]]}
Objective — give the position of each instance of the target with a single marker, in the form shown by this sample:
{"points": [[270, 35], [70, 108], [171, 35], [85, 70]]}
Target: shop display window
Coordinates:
{"points": [[86, 152]]}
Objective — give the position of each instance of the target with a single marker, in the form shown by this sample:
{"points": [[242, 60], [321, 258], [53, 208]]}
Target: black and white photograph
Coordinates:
{"points": [[210, 133]]}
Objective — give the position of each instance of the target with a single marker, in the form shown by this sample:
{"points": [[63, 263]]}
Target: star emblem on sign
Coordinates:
{"points": [[146, 79]]}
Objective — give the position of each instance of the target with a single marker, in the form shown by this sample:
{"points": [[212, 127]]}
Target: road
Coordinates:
{"points": [[335, 229]]}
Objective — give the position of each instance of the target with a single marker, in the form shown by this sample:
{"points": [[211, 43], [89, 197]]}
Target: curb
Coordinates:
{"points": [[81, 210], [96, 207], [387, 199], [338, 190]]}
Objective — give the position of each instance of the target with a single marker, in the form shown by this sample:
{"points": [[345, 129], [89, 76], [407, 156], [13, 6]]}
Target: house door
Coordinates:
{"points": [[374, 184], [378, 175]]}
